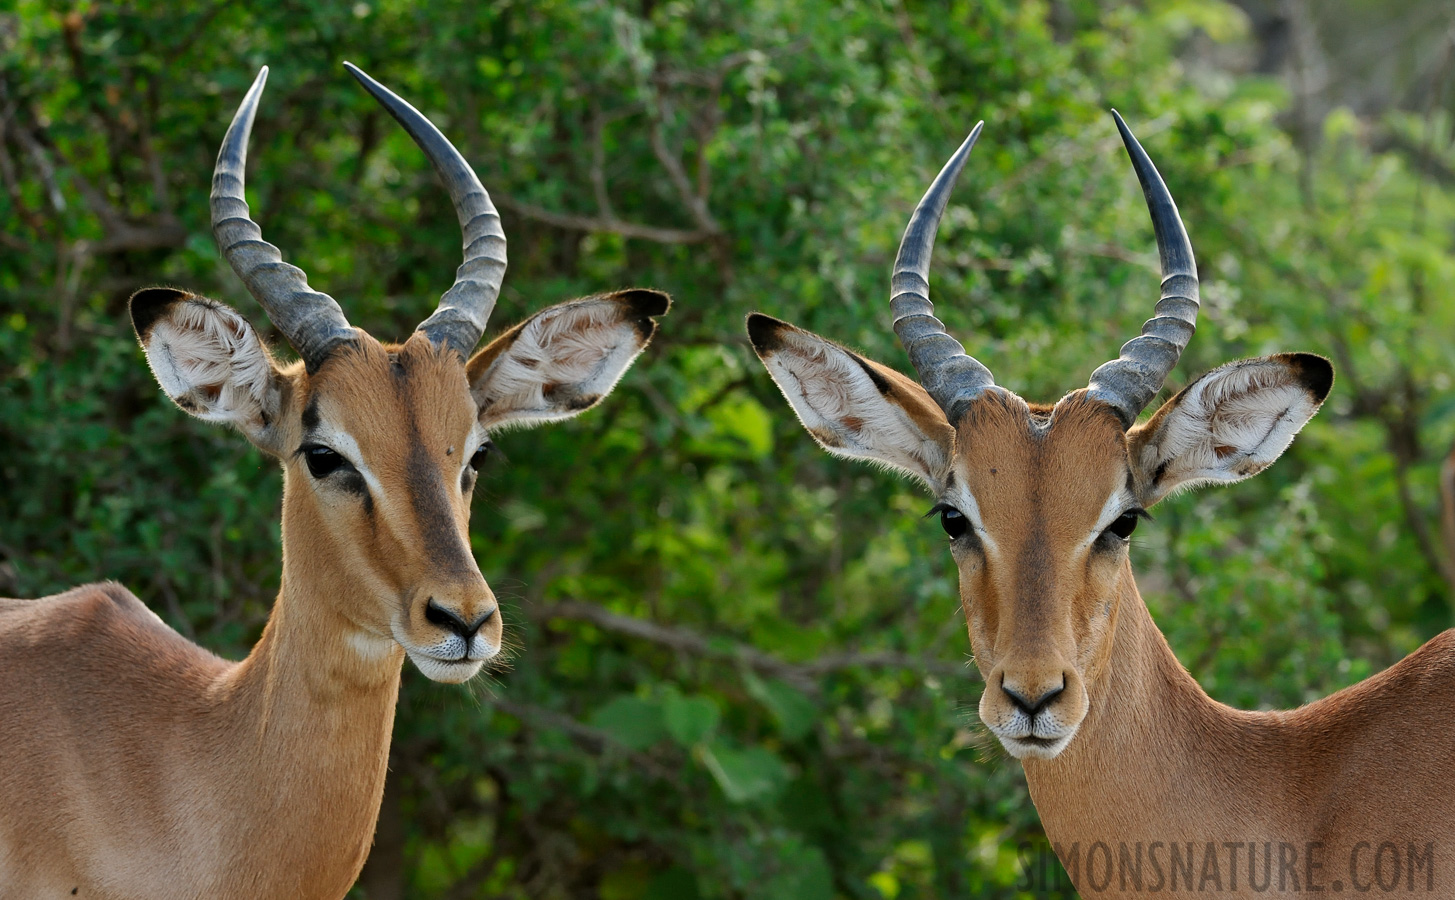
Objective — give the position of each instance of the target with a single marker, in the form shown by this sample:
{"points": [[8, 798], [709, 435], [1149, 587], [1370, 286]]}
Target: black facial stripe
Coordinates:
{"points": [[353, 482], [310, 415], [437, 526]]}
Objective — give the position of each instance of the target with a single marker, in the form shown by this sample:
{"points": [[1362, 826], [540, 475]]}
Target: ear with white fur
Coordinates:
{"points": [[210, 361], [564, 359], [1228, 425], [853, 407]]}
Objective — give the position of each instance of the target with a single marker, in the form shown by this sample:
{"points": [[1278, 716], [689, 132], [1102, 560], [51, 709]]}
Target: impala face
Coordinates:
{"points": [[1039, 502], [388, 449], [1038, 516], [381, 444]]}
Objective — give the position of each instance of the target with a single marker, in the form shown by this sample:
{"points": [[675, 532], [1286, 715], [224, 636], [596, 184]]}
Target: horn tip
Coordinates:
{"points": [[1126, 132], [969, 142], [359, 74]]}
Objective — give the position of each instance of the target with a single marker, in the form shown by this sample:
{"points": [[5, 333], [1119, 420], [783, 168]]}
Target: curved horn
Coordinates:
{"points": [[951, 378], [465, 307], [312, 322], [1130, 382]]}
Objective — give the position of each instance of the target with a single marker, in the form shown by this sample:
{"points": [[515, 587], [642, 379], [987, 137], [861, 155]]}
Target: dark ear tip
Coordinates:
{"points": [[1315, 373], [645, 301], [765, 332], [150, 304]]}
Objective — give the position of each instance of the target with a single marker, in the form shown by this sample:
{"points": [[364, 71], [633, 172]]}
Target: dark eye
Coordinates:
{"points": [[322, 461], [954, 522], [481, 455], [1125, 524]]}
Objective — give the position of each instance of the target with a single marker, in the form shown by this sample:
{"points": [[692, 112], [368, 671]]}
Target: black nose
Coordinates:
{"points": [[1032, 705], [450, 620]]}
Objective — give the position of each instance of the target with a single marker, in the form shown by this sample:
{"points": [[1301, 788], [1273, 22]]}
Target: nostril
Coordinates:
{"points": [[1047, 697], [480, 623], [452, 621], [446, 619], [1032, 705]]}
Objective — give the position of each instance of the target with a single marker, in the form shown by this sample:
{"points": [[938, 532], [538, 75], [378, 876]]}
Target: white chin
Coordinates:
{"points": [[447, 672], [1035, 749]]}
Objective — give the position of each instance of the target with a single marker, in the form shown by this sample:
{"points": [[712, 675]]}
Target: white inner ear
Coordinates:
{"points": [[840, 405], [208, 359], [562, 361], [1229, 425]]}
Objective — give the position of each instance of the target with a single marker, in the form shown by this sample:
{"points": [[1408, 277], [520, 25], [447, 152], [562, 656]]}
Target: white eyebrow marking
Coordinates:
{"points": [[478, 436], [1119, 502], [343, 443], [969, 508]]}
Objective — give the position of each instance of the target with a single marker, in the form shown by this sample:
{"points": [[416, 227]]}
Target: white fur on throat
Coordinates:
{"points": [[839, 404], [581, 348], [1229, 425], [209, 360]]}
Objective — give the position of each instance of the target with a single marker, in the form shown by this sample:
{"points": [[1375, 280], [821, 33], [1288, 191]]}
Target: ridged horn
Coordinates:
{"points": [[312, 322], [465, 307], [1129, 383], [952, 378]]}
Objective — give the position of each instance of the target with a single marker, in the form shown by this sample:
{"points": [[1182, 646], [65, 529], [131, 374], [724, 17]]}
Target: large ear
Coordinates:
{"points": [[564, 359], [210, 361], [1228, 425], [853, 407]]}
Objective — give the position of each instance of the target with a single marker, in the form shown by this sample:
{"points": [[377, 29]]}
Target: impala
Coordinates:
{"points": [[1144, 783], [135, 764]]}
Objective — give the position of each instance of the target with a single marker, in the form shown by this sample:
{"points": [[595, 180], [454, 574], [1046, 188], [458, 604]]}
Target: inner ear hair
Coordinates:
{"points": [[209, 360], [150, 304], [1230, 424], [853, 407], [563, 359]]}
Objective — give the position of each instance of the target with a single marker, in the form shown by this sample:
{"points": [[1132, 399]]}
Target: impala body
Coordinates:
{"points": [[1145, 785], [136, 765]]}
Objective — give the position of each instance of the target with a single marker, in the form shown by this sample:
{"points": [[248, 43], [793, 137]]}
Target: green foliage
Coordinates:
{"points": [[799, 723]]}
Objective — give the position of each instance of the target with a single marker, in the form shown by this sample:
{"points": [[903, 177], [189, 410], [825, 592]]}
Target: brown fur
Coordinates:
{"points": [[1053, 613], [1156, 759], [138, 766]]}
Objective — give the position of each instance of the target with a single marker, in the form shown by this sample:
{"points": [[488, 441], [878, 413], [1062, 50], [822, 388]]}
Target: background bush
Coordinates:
{"points": [[742, 670]]}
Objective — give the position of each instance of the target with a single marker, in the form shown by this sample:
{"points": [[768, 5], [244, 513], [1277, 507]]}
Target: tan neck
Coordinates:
{"points": [[311, 712], [1156, 758]]}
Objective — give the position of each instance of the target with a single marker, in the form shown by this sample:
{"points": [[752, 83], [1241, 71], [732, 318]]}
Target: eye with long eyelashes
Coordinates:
{"points": [[323, 461], [481, 455], [1121, 530], [951, 519]]}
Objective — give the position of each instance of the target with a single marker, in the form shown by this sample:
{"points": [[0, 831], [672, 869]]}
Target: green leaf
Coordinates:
{"points": [[793, 712], [635, 722], [690, 720], [805, 876], [748, 774]]}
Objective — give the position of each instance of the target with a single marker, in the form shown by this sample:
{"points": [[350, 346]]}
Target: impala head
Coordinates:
{"points": [[1039, 501], [380, 443]]}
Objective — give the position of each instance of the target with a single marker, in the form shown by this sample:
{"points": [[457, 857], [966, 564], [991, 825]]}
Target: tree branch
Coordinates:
{"points": [[609, 225], [684, 640]]}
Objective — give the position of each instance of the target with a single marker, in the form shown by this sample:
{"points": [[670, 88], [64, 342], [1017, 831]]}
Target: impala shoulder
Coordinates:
{"points": [[105, 605], [1435, 660]]}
